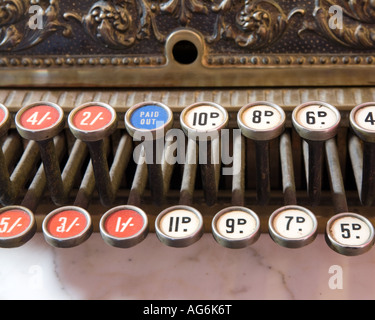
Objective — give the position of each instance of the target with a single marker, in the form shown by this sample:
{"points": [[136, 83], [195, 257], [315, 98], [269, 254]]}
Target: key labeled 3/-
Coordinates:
{"points": [[67, 226], [179, 226]]}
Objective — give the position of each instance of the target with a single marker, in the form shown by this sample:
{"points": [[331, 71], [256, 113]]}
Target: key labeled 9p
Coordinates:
{"points": [[236, 227]]}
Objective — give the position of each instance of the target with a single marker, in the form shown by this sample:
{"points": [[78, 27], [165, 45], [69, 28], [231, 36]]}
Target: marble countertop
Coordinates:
{"points": [[205, 270]]}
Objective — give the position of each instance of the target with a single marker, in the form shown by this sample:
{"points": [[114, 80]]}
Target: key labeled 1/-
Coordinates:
{"points": [[124, 226], [179, 226]]}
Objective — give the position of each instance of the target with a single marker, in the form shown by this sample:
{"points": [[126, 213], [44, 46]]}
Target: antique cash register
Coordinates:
{"points": [[182, 117]]}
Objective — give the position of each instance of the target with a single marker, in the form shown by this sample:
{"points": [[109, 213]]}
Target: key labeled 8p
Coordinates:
{"points": [[262, 122]]}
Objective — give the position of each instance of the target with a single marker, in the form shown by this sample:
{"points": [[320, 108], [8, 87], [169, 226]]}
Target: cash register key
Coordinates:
{"points": [[236, 227], [17, 226], [124, 226], [293, 226], [179, 226], [67, 227], [349, 234]]}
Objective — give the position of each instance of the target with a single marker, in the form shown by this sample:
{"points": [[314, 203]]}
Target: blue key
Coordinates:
{"points": [[149, 117]]}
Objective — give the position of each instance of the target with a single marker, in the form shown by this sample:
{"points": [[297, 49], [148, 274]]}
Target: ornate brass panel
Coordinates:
{"points": [[117, 43]]}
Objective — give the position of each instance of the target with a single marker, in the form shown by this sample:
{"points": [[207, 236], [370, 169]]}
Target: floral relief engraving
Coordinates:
{"points": [[358, 24], [109, 23], [256, 25], [250, 24], [15, 32], [183, 10]]}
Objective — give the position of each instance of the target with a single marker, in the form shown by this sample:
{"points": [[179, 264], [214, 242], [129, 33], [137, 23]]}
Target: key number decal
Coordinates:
{"points": [[124, 223], [236, 224], [39, 117], [92, 118], [261, 117], [350, 231], [365, 117], [13, 222], [179, 223], [316, 117], [293, 224], [67, 224], [204, 117]]}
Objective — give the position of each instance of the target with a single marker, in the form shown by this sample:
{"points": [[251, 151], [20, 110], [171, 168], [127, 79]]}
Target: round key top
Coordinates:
{"points": [[150, 117], [349, 234], [179, 226], [293, 226], [17, 226], [236, 227], [202, 119], [5, 120], [124, 226], [67, 227], [40, 121], [316, 120], [261, 120], [362, 120], [92, 121]]}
